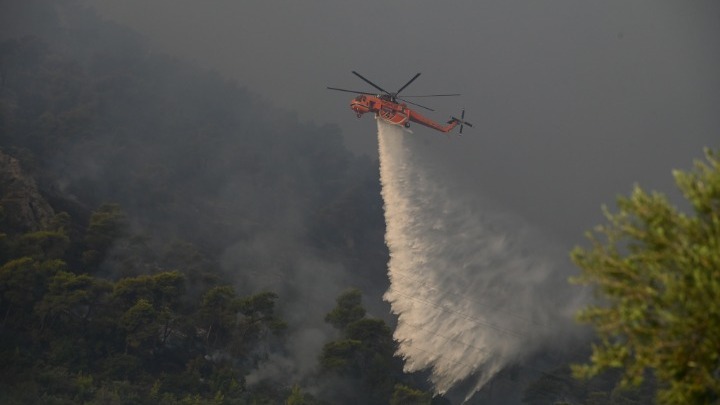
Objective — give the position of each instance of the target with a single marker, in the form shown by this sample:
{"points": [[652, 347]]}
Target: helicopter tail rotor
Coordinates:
{"points": [[461, 121]]}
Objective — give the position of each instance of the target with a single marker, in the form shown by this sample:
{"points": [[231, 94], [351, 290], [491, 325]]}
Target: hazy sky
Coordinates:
{"points": [[573, 101]]}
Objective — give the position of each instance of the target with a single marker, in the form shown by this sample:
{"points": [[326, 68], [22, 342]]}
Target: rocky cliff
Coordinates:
{"points": [[22, 208]]}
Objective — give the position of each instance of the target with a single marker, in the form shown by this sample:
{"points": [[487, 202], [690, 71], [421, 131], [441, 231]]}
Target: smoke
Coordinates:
{"points": [[474, 289], [306, 284]]}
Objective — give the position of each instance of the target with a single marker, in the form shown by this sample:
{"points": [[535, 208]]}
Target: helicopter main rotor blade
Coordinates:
{"points": [[435, 95], [407, 84], [351, 91], [416, 104], [370, 83]]}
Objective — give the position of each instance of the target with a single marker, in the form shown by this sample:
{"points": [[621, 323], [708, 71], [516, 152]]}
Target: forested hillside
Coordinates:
{"points": [[170, 237]]}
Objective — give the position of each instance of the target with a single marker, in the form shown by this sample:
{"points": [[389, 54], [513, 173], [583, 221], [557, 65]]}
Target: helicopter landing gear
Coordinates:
{"points": [[358, 115]]}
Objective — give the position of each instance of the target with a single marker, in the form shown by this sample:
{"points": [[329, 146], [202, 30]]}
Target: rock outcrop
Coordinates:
{"points": [[22, 207]]}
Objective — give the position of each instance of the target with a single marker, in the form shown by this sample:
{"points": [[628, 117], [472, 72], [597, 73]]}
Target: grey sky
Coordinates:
{"points": [[573, 101]]}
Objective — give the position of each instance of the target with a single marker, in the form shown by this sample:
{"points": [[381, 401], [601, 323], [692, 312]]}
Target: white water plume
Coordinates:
{"points": [[474, 289]]}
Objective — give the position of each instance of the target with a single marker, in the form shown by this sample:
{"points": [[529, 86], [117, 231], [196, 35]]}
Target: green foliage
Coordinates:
{"points": [[171, 145], [42, 245], [366, 344], [74, 337], [107, 224], [218, 314], [72, 298], [226, 381], [23, 282], [348, 309], [259, 312], [404, 395], [141, 323], [61, 222], [168, 287], [365, 353], [341, 356], [163, 289], [238, 323], [297, 397], [657, 272], [374, 333], [85, 387]]}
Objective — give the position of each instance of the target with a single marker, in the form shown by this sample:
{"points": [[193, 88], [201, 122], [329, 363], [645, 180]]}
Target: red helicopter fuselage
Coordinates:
{"points": [[390, 108], [395, 113]]}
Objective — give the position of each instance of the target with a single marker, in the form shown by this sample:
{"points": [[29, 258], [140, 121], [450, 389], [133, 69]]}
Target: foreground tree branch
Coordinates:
{"points": [[656, 273]]}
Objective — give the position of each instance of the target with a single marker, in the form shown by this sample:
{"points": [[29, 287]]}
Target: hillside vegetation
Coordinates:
{"points": [[142, 197]]}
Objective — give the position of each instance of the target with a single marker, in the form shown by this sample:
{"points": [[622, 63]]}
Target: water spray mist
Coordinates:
{"points": [[472, 287]]}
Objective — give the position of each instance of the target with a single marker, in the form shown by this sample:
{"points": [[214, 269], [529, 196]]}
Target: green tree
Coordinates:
{"points": [[218, 314], [404, 395], [348, 309], [257, 322], [656, 271], [72, 299], [366, 348], [259, 315], [142, 325], [365, 353], [237, 324], [107, 224], [163, 289], [297, 397], [162, 292], [23, 282], [46, 245], [340, 356], [168, 288]]}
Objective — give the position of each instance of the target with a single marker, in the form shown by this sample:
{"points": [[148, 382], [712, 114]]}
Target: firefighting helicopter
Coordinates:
{"points": [[394, 110]]}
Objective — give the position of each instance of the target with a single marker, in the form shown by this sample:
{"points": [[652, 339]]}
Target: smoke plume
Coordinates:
{"points": [[474, 289]]}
